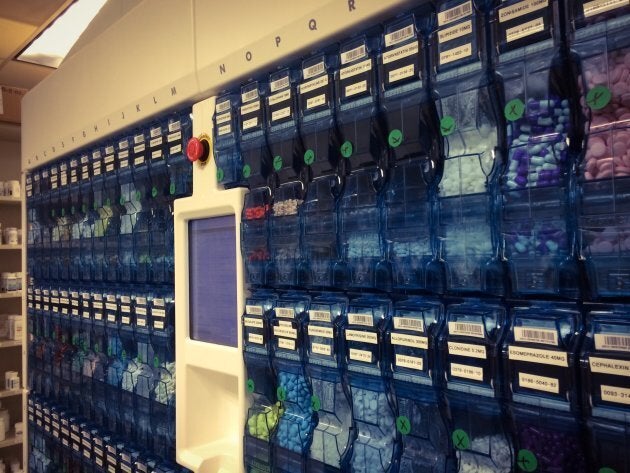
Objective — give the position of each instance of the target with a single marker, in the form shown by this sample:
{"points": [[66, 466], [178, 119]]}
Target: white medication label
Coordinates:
{"points": [[466, 329], [398, 36], [361, 355], [615, 394], [285, 312], [399, 53], [286, 344], [355, 69], [313, 84], [221, 107], [454, 32], [315, 101], [156, 142], [411, 362], [536, 335], [353, 54], [279, 84], [465, 371], [413, 341], [254, 309], [522, 8], [174, 136], [612, 341], [253, 322], [358, 336], [222, 118], [224, 129], [467, 349], [280, 331], [320, 315], [313, 70], [408, 323], [539, 383], [321, 349], [279, 97], [535, 355], [280, 114], [525, 29], [356, 88], [318, 331], [141, 310], [255, 338], [252, 122], [454, 54], [609, 366], [249, 95], [361, 319], [401, 73], [454, 14], [600, 6], [252, 107]]}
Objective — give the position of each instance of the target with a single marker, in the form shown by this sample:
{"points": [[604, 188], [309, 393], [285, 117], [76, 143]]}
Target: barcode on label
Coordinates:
{"points": [[366, 320], [353, 54], [466, 329], [286, 312], [249, 96], [398, 36], [407, 323], [320, 315], [174, 126], [536, 335], [454, 14], [254, 309], [222, 106], [616, 342], [279, 84], [312, 71], [157, 131]]}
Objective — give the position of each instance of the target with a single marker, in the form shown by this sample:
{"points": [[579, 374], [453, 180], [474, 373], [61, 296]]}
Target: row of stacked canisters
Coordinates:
{"points": [[437, 245], [100, 303]]}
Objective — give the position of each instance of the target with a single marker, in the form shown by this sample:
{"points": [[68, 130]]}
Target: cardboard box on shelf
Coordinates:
{"points": [[11, 104]]}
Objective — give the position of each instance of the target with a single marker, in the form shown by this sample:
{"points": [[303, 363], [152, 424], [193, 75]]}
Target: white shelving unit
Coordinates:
{"points": [[12, 352]]}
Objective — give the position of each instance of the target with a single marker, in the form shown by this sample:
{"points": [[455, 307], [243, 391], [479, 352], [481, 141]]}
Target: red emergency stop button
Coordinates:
{"points": [[198, 149]]}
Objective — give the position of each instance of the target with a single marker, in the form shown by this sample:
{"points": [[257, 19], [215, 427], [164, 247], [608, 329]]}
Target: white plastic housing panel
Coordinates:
{"points": [[210, 378]]}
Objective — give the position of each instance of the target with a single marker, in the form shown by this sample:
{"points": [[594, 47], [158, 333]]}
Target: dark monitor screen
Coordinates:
{"points": [[212, 266]]}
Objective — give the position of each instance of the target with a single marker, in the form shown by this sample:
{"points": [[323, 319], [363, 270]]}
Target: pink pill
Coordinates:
{"points": [[616, 73], [605, 174], [591, 164], [626, 160], [597, 147], [620, 88], [619, 148], [599, 120], [622, 170], [588, 176], [624, 117]]}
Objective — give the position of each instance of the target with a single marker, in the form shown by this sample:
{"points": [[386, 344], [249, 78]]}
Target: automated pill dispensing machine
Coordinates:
{"points": [[129, 74]]}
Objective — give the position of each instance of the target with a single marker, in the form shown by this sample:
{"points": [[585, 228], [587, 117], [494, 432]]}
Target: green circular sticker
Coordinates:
{"points": [[281, 392], [138, 195], [277, 163], [606, 470], [346, 149], [154, 191], [598, 97], [447, 125], [171, 188], [309, 156], [395, 138], [247, 171], [250, 385], [461, 441], [403, 425], [156, 361], [220, 175], [526, 460], [316, 403], [514, 109]]}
